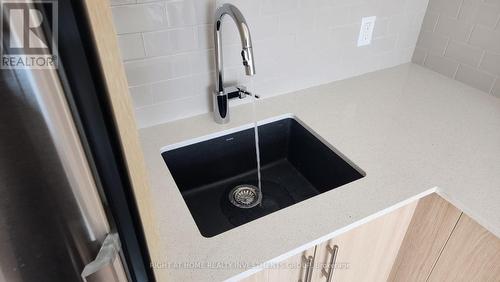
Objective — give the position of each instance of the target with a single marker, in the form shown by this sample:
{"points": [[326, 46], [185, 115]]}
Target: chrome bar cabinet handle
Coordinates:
{"points": [[331, 266], [310, 266]]}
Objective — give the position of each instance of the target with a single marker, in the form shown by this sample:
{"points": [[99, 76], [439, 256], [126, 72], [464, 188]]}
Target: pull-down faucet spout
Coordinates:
{"points": [[221, 97]]}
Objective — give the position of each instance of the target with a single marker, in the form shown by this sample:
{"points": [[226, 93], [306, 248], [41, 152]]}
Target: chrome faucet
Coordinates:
{"points": [[223, 94]]}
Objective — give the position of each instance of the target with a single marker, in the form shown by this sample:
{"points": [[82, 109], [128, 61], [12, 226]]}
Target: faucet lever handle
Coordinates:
{"points": [[239, 91], [243, 92]]}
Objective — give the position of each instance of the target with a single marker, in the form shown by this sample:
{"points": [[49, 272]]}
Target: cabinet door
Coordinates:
{"points": [[430, 228], [471, 254], [367, 252], [292, 269]]}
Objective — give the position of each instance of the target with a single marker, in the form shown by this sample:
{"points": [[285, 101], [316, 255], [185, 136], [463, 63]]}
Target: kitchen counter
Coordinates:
{"points": [[412, 131]]}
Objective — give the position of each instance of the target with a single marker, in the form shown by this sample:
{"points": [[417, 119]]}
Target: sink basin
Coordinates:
{"points": [[296, 165]]}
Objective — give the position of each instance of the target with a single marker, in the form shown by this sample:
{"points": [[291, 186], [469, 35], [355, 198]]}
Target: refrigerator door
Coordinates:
{"points": [[52, 220]]}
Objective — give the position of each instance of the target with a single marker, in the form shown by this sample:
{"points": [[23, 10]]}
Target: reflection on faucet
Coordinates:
{"points": [[222, 94]]}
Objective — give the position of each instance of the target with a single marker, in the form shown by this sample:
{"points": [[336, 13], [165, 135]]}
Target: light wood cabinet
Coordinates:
{"points": [[444, 244], [429, 240], [365, 253], [430, 228], [471, 254]]}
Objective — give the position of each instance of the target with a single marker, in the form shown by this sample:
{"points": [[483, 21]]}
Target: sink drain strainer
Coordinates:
{"points": [[245, 196]]}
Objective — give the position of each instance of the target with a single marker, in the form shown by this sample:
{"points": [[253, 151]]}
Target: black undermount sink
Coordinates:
{"points": [[296, 166]]}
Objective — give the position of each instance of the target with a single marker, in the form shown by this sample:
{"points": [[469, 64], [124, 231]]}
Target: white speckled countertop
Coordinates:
{"points": [[411, 130]]}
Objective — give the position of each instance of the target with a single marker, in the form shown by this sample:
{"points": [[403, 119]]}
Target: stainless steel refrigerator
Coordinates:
{"points": [[66, 208]]}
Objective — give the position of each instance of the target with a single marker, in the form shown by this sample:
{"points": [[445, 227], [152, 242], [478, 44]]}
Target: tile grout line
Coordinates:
{"points": [[160, 28], [143, 43], [171, 79], [456, 71], [460, 9], [446, 47], [481, 59], [173, 101], [425, 58], [165, 56], [469, 36], [493, 85], [436, 23]]}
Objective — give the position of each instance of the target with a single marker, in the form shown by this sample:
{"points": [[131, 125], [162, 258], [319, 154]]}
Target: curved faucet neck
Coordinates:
{"points": [[246, 43], [239, 20]]}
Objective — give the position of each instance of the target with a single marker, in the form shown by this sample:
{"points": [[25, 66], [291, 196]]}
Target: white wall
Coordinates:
{"points": [[167, 47]]}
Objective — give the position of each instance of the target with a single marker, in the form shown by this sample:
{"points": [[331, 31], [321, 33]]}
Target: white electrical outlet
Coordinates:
{"points": [[366, 31]]}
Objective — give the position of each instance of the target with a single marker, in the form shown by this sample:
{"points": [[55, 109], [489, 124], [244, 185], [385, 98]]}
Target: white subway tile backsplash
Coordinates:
{"points": [[202, 61], [308, 42], [491, 63], [181, 13], [381, 28], [394, 58], [174, 89], [312, 3], [458, 30], [161, 112], [474, 11], [441, 64], [264, 27], [329, 17], [408, 39], [475, 78], [141, 96], [146, 71], [419, 56], [121, 2], [486, 38], [492, 2], [140, 17], [401, 23], [157, 69], [432, 42], [131, 46], [471, 40], [296, 21], [180, 65], [278, 6], [417, 6], [361, 10], [496, 88], [488, 15], [345, 36], [202, 83], [205, 36], [464, 53], [204, 10], [383, 45], [445, 7], [389, 8], [251, 9], [168, 47], [173, 41]]}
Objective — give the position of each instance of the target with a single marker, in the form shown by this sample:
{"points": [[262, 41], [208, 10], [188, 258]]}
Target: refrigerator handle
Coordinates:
{"points": [[105, 259]]}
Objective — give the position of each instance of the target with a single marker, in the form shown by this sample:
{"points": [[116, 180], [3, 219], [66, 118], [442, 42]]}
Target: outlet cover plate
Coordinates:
{"points": [[366, 31]]}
